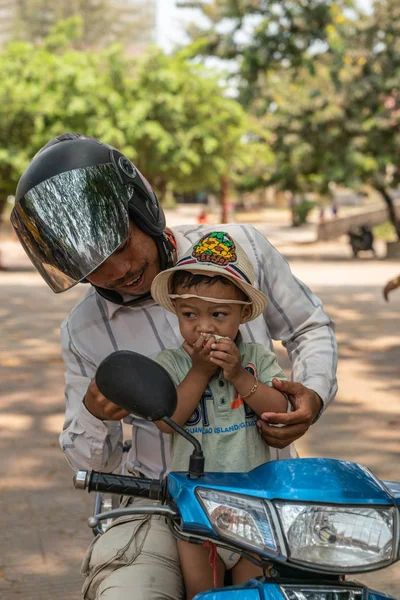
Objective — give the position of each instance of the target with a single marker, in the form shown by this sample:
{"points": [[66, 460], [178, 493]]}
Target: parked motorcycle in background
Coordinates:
{"points": [[360, 239], [307, 522]]}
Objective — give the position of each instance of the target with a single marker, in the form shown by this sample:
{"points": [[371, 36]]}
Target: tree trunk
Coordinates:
{"points": [[391, 209], [3, 202], [160, 185], [224, 199]]}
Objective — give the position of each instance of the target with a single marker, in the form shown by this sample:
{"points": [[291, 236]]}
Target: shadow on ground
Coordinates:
{"points": [[43, 519], [363, 423]]}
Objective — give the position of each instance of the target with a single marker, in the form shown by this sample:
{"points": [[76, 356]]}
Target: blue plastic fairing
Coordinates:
{"points": [[318, 480]]}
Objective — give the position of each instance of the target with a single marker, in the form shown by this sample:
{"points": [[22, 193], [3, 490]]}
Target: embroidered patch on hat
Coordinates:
{"points": [[216, 247]]}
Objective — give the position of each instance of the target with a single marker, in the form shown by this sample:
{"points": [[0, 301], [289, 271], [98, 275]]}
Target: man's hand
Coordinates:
{"points": [[100, 407], [306, 405]]}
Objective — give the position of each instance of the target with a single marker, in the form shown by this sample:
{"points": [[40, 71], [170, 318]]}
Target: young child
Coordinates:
{"points": [[223, 384]]}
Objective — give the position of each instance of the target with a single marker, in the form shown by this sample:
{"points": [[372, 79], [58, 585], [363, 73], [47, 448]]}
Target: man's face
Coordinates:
{"points": [[131, 268]]}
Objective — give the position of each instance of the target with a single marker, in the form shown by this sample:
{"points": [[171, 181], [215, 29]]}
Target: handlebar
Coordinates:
{"points": [[125, 485]]}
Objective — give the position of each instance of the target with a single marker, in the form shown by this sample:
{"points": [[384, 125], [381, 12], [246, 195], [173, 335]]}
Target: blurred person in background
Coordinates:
{"points": [[202, 218], [334, 209], [84, 213]]}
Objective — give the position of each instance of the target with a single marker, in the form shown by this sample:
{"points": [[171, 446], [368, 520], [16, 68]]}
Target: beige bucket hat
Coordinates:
{"points": [[216, 253]]}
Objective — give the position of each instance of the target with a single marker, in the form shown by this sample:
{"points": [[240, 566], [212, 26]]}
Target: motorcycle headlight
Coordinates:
{"points": [[239, 518], [338, 538], [319, 593]]}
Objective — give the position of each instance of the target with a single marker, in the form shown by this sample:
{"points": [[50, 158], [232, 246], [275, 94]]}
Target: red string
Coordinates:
{"points": [[213, 559], [171, 239]]}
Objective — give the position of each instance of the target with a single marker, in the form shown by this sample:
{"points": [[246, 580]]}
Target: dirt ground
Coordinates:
{"points": [[43, 519]]}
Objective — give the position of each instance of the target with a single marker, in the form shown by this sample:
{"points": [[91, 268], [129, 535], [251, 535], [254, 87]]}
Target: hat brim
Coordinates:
{"points": [[160, 288]]}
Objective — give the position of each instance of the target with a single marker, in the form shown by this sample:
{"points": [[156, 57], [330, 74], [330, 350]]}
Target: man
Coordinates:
{"points": [[84, 213]]}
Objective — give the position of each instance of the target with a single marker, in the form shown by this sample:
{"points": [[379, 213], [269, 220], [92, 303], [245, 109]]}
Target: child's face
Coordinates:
{"points": [[198, 316]]}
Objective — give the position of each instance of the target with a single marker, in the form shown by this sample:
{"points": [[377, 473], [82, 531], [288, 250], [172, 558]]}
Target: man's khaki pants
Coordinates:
{"points": [[136, 559]]}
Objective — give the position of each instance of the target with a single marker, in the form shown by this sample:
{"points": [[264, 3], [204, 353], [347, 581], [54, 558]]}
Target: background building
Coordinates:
{"points": [[133, 23]]}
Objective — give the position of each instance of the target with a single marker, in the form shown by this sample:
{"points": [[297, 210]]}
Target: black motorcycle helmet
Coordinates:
{"points": [[72, 209]]}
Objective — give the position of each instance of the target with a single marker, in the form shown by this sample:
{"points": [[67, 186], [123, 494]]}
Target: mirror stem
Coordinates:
{"points": [[196, 462]]}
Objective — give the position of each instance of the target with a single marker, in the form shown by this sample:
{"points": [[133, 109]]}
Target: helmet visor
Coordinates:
{"points": [[71, 223]]}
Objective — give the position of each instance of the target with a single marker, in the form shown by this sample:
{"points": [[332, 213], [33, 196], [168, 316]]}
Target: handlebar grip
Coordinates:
{"points": [[125, 485]]}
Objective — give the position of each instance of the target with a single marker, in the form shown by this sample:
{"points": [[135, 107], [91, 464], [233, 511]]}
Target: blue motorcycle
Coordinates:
{"points": [[307, 522]]}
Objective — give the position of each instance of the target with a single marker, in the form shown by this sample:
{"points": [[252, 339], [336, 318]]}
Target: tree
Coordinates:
{"points": [[344, 125], [326, 92], [170, 116], [183, 129], [262, 36], [374, 103]]}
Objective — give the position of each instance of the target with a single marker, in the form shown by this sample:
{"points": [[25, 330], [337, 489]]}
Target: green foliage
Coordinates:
{"points": [[344, 125], [323, 81], [263, 36], [301, 211], [385, 231], [171, 117], [185, 130]]}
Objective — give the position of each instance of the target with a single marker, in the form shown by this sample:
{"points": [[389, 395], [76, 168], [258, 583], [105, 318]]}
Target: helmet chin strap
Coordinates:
{"points": [[165, 247]]}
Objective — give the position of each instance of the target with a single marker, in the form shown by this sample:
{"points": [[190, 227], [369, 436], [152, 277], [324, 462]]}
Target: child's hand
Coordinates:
{"points": [[199, 352], [226, 355]]}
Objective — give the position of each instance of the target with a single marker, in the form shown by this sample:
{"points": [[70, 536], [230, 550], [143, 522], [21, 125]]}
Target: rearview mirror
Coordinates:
{"points": [[137, 384]]}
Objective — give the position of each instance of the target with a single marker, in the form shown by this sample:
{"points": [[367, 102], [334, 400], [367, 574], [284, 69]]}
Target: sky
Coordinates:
{"points": [[171, 21]]}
